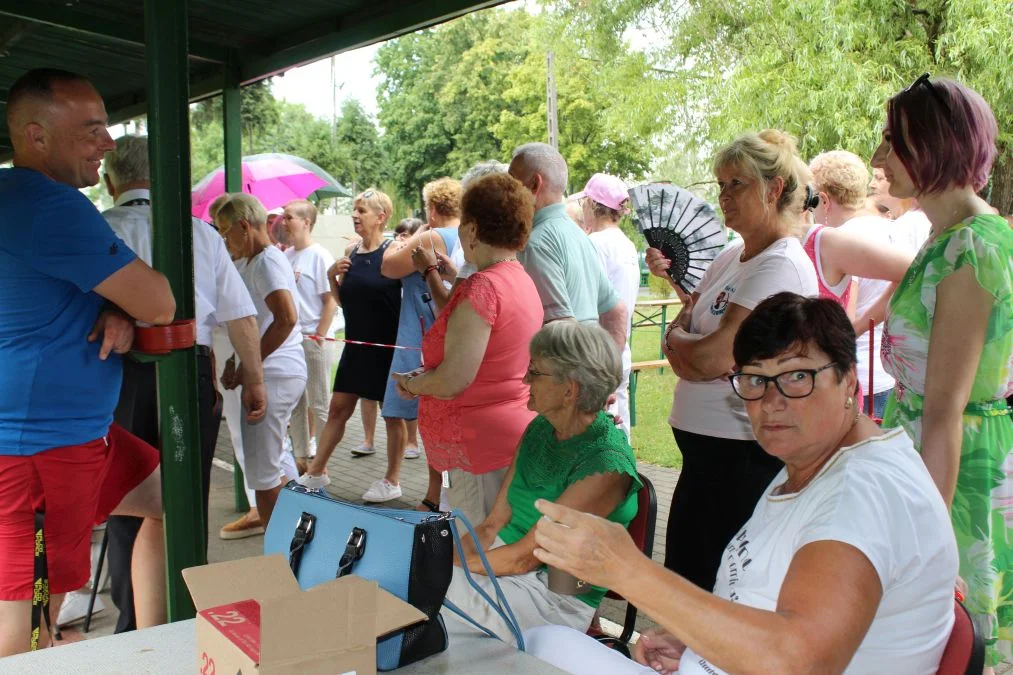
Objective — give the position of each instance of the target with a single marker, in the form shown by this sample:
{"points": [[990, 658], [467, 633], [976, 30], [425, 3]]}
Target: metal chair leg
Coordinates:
{"points": [[95, 581]]}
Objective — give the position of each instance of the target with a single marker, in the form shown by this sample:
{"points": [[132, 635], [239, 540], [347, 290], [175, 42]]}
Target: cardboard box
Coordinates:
{"points": [[253, 618]]}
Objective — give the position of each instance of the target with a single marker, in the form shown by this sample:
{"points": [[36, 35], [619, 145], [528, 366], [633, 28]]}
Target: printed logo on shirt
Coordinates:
{"points": [[720, 303]]}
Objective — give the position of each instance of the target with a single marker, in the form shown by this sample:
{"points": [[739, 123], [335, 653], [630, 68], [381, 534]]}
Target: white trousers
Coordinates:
{"points": [[530, 599], [315, 400], [264, 442], [574, 652], [622, 405]]}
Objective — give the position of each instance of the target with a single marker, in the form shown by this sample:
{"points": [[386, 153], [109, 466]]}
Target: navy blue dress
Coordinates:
{"points": [[371, 304]]}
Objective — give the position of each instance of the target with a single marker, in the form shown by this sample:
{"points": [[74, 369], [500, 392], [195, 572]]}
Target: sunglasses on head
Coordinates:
{"points": [[923, 80]]}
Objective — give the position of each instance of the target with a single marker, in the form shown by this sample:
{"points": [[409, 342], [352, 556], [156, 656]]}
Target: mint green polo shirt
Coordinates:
{"points": [[566, 269]]}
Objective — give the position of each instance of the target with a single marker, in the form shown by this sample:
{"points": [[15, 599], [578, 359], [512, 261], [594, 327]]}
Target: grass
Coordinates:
{"points": [[652, 437]]}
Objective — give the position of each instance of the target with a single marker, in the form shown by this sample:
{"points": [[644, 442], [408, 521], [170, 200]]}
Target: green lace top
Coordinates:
{"points": [[546, 467]]}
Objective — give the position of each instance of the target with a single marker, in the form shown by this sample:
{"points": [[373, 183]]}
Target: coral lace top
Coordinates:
{"points": [[479, 430]]}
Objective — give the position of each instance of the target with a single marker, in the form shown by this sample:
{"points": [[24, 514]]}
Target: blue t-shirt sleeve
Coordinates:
{"points": [[70, 240]]}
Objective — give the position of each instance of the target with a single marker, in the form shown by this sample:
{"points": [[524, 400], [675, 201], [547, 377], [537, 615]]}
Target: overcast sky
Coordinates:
{"points": [[311, 85]]}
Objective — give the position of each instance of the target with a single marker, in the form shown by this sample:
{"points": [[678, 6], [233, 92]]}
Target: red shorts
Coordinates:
{"points": [[76, 486]]}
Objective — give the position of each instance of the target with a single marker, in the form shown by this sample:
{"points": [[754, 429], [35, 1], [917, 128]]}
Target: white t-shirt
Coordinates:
{"points": [[464, 269], [622, 267], [878, 497], [712, 408], [885, 233], [913, 229], [310, 267], [265, 273], [219, 293]]}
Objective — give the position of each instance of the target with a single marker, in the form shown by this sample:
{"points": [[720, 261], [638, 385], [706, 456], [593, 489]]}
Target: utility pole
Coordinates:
{"points": [[550, 87], [334, 98]]}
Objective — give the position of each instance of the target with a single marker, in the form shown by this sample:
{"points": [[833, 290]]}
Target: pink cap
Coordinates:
{"points": [[605, 189]]}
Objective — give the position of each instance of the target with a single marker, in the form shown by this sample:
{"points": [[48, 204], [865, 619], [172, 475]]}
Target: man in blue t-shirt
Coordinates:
{"points": [[69, 291]]}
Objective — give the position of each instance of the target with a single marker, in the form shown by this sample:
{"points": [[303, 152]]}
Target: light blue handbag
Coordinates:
{"points": [[408, 553]]}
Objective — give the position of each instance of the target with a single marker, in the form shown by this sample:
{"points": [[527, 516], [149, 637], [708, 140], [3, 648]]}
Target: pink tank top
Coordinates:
{"points": [[812, 249]]}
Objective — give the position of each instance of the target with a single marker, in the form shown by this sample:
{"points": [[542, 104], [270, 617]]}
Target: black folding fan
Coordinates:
{"points": [[682, 226]]}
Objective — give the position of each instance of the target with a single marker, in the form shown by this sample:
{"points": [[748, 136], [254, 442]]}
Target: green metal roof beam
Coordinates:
{"points": [[342, 35], [81, 22]]}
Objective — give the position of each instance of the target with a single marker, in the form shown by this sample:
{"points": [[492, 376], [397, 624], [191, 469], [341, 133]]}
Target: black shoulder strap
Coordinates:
{"points": [[40, 585]]}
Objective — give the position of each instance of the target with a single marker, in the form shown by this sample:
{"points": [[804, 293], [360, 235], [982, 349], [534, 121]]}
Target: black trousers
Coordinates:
{"points": [[720, 483], [137, 412]]}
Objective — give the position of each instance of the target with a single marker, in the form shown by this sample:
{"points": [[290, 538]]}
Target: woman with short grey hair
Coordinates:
{"points": [[588, 357], [572, 453]]}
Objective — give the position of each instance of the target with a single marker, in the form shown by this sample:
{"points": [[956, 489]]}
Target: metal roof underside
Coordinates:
{"points": [[104, 40]]}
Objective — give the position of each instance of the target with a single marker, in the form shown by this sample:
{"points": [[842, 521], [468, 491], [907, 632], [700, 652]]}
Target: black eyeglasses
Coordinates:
{"points": [[923, 80], [791, 383]]}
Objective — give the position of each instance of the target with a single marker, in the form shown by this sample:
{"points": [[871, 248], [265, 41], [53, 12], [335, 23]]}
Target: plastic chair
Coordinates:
{"points": [[965, 650], [641, 530]]}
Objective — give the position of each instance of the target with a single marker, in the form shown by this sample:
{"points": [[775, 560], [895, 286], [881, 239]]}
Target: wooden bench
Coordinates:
{"points": [[634, 375]]}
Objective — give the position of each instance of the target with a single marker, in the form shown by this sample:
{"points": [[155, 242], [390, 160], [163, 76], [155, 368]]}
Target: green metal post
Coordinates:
{"points": [[664, 325], [233, 183], [165, 29]]}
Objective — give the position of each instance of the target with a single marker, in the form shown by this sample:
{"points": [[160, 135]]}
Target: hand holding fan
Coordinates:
{"points": [[682, 226]]}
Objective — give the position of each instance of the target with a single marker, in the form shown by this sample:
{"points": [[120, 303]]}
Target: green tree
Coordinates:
{"points": [[475, 89], [820, 69], [359, 158]]}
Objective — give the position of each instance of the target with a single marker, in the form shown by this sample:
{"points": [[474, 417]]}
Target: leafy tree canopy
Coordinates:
{"points": [[820, 69]]}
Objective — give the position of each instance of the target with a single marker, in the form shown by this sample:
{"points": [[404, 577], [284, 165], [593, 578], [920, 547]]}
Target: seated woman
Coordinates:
{"points": [[846, 565], [573, 454]]}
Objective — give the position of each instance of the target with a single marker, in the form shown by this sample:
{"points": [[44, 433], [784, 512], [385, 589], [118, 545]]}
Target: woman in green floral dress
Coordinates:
{"points": [[948, 338]]}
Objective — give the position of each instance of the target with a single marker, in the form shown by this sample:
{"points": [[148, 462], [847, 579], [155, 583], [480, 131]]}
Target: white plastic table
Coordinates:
{"points": [[171, 650]]}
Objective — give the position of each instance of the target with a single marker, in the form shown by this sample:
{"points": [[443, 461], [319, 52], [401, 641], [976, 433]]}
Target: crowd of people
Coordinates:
{"points": [[803, 533]]}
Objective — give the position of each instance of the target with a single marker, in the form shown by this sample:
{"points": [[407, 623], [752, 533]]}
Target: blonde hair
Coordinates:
{"points": [[444, 195], [304, 209], [843, 176], [217, 204], [765, 156], [241, 206], [376, 201]]}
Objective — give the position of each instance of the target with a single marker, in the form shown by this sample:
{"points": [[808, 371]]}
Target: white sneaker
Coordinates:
{"points": [[75, 607], [311, 482], [363, 450], [382, 491], [412, 452]]}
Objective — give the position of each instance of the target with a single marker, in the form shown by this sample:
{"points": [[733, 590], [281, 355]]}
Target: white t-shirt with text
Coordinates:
{"points": [[310, 267], [263, 274], [712, 408], [876, 496]]}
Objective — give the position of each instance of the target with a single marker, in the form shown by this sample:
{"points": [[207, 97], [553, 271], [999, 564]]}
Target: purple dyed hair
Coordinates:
{"points": [[942, 146]]}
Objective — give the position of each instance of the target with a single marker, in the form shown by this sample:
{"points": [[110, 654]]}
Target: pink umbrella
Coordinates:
{"points": [[274, 179]]}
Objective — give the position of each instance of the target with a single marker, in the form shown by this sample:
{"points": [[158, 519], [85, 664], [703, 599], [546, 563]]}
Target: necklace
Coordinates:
{"points": [[500, 260], [788, 488]]}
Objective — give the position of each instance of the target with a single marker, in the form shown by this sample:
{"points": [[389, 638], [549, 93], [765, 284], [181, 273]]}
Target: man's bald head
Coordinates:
{"points": [[31, 96], [544, 161], [57, 124]]}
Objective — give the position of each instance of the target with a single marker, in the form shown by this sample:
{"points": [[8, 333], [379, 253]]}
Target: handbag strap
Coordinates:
{"points": [[501, 606], [354, 548], [304, 530]]}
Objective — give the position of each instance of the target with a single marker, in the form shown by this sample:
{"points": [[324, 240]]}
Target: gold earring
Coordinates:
{"points": [[850, 402]]}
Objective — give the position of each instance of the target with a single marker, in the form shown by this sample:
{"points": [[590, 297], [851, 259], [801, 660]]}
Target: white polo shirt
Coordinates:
{"points": [[310, 267], [220, 294]]}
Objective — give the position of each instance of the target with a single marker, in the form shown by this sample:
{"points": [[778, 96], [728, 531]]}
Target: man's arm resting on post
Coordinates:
{"points": [[141, 292]]}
